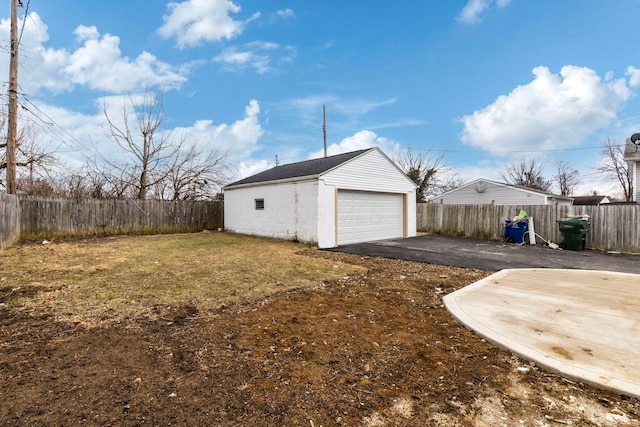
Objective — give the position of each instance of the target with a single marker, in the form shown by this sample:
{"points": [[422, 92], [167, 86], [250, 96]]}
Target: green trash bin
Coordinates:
{"points": [[574, 232]]}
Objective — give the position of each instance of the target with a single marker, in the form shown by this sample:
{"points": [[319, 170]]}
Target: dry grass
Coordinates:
{"points": [[92, 281]]}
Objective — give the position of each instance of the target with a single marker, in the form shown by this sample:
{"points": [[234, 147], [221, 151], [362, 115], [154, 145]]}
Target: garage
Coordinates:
{"points": [[351, 197], [367, 216]]}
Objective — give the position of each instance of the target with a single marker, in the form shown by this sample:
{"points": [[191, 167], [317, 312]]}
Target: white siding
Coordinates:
{"points": [[636, 185], [372, 172], [327, 198], [633, 167], [369, 172], [290, 211], [365, 216], [307, 210], [480, 193], [559, 202]]}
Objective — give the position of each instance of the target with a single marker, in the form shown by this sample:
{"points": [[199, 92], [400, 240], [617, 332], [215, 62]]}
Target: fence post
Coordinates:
{"points": [[615, 227]]}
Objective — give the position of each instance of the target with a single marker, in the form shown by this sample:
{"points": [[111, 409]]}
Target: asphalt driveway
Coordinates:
{"points": [[491, 255]]}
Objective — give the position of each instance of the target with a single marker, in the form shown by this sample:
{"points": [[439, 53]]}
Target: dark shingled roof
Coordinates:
{"points": [[295, 170], [588, 200]]}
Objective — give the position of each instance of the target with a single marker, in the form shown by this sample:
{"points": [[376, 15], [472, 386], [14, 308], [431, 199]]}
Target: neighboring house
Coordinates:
{"points": [[485, 192], [590, 200], [632, 157], [352, 197]]}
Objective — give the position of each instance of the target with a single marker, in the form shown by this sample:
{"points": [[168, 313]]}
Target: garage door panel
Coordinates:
{"points": [[366, 216]]}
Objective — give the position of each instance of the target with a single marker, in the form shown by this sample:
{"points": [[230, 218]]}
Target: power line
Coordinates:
{"points": [[59, 131], [24, 20]]}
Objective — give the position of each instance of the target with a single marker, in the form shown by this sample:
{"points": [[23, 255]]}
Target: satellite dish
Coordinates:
{"points": [[635, 138]]}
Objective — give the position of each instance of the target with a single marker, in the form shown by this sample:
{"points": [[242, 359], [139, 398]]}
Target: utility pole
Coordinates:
{"points": [[324, 128], [12, 129]]}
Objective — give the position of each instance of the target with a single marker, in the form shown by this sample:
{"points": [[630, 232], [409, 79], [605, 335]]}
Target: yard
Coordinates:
{"points": [[222, 329]]}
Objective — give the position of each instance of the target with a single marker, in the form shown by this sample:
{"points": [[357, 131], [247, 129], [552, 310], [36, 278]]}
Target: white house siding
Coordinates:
{"points": [[290, 210], [326, 228], [633, 168], [560, 202], [371, 172], [492, 194], [636, 185], [632, 157]]}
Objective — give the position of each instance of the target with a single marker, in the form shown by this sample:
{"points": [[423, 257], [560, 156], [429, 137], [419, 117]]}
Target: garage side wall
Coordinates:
{"points": [[327, 199], [290, 211], [372, 172]]}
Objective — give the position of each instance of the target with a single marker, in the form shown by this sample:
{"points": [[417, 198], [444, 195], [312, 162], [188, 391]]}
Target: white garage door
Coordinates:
{"points": [[365, 216]]}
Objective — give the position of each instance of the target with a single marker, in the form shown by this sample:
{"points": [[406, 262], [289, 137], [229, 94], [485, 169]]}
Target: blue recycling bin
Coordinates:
{"points": [[514, 230]]}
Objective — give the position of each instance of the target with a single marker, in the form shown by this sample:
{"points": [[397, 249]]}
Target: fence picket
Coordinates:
{"points": [[46, 218], [9, 220], [613, 227]]}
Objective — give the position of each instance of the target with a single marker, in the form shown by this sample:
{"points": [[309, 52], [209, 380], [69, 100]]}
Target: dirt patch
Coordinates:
{"points": [[371, 349]]}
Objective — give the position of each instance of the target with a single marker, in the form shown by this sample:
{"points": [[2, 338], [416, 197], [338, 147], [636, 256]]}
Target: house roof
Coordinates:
{"points": [[590, 200], [299, 169], [502, 184]]}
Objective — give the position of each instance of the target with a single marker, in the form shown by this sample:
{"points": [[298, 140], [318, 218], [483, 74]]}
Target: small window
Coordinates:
{"points": [[259, 204]]}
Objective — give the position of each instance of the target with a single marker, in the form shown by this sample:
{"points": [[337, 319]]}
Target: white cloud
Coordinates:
{"points": [[257, 55], [195, 21], [286, 14], [72, 136], [77, 137], [359, 141], [473, 10], [634, 76], [98, 64], [249, 168], [239, 138], [553, 111], [86, 33]]}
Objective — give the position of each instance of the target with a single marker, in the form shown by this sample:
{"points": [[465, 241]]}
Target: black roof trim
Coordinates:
{"points": [[300, 169]]}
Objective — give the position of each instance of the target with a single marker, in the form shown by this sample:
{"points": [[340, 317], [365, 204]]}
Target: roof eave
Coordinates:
{"points": [[275, 181]]}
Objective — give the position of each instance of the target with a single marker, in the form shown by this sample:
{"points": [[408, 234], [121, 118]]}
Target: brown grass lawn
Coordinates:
{"points": [[228, 330], [92, 281]]}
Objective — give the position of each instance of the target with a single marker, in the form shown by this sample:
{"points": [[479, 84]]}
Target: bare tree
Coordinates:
{"points": [[85, 183], [34, 161], [157, 163], [615, 168], [430, 173], [194, 174], [526, 173], [36, 187], [147, 149], [566, 177], [107, 181]]}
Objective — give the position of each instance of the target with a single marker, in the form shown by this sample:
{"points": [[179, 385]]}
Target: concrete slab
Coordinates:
{"points": [[582, 324]]}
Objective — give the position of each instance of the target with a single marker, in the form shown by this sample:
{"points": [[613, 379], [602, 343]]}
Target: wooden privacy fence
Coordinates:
{"points": [[46, 218], [9, 220], [613, 227]]}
